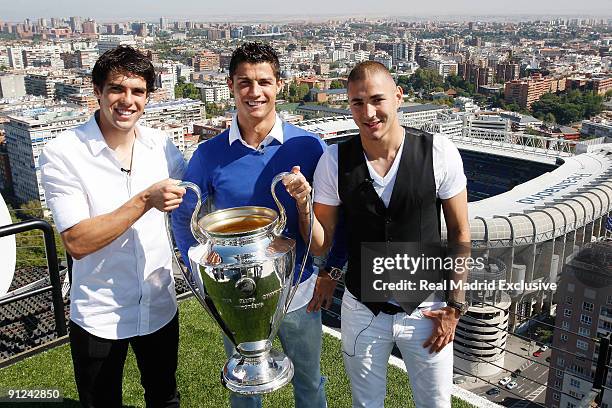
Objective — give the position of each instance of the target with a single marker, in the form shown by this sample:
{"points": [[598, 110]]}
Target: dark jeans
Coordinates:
{"points": [[98, 366]]}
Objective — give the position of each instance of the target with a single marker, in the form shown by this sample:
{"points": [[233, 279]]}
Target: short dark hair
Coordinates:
{"points": [[365, 68], [254, 53], [124, 60]]}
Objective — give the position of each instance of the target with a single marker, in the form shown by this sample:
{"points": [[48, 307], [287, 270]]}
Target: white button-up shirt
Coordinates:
{"points": [[125, 289], [275, 133]]}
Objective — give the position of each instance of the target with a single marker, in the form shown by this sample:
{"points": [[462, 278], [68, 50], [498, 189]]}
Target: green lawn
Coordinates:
{"points": [[200, 361]]}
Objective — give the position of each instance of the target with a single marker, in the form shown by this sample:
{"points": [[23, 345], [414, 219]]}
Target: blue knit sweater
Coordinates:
{"points": [[236, 175]]}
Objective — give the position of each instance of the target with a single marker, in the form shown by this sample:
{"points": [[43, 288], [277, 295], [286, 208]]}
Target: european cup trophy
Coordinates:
{"points": [[242, 272]]}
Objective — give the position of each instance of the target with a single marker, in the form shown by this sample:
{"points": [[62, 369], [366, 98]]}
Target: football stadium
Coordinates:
{"points": [[534, 203]]}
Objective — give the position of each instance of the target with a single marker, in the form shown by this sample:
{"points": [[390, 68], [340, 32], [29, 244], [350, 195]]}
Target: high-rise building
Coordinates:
{"points": [[205, 61], [86, 58], [584, 313], [236, 32], [109, 42], [507, 72], [141, 29], [526, 91], [6, 179], [418, 115], [12, 86], [42, 84], [214, 92], [183, 111], [167, 81], [43, 56], [444, 68], [598, 84], [384, 59], [15, 57], [26, 135], [478, 74], [75, 24], [90, 27], [73, 86], [163, 23], [184, 72]]}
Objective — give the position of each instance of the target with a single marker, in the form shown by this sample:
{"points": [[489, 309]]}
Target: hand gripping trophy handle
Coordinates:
{"points": [[281, 226], [198, 233]]}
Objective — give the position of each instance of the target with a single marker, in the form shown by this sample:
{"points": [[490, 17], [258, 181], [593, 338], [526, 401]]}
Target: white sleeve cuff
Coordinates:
{"points": [[319, 198], [68, 211]]}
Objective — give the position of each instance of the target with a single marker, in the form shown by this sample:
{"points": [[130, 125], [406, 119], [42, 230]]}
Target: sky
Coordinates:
{"points": [[266, 10]]}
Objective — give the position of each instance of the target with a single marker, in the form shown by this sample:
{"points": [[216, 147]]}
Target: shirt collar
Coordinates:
{"points": [[275, 133], [94, 138]]}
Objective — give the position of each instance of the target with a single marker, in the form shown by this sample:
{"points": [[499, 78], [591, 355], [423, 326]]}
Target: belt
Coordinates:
{"points": [[391, 309]]}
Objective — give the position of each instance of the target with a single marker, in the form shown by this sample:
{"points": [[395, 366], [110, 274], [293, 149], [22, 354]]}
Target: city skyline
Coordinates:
{"points": [[318, 9]]}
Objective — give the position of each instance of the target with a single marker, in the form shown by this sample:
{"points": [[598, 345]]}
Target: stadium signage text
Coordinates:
{"points": [[552, 190]]}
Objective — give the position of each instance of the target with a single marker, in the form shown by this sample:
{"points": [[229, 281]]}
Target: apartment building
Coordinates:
{"points": [[584, 313], [525, 92], [26, 135]]}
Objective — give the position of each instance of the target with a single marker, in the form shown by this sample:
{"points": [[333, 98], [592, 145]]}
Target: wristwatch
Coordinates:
{"points": [[462, 307], [334, 273]]}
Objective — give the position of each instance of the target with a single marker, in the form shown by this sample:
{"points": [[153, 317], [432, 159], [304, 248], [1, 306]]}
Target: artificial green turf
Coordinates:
{"points": [[200, 361]]}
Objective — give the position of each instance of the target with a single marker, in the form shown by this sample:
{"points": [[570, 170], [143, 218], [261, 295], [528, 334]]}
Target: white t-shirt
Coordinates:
{"points": [[125, 289], [447, 169]]}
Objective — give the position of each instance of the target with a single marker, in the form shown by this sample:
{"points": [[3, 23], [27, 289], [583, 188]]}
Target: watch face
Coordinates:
{"points": [[335, 274]]}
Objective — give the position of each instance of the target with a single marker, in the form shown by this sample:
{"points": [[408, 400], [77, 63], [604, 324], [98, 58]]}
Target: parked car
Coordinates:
{"points": [[516, 373], [505, 380], [537, 353], [511, 385], [494, 391], [544, 348], [458, 380]]}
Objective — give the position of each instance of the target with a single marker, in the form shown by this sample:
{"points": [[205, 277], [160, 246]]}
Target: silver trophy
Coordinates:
{"points": [[242, 273]]}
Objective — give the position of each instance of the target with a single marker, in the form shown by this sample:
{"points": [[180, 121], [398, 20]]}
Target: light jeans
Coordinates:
{"points": [[300, 334], [367, 342]]}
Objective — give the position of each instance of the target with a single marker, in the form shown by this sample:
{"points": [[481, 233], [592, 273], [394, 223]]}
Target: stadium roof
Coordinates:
{"points": [[319, 108], [572, 196], [421, 108]]}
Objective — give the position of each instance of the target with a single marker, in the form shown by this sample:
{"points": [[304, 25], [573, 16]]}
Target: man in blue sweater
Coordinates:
{"points": [[236, 168]]}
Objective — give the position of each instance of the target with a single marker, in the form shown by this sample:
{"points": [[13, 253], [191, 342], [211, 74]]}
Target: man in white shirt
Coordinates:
{"points": [[108, 185], [389, 184]]}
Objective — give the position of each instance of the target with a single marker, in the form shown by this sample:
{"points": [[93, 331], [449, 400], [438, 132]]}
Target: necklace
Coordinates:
{"points": [[128, 171]]}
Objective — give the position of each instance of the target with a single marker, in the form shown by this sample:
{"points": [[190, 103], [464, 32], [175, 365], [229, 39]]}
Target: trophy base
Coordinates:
{"points": [[257, 375]]}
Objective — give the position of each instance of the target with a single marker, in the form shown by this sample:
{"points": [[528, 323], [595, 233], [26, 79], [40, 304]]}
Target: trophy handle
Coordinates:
{"points": [[281, 226], [195, 230], [198, 233], [282, 221]]}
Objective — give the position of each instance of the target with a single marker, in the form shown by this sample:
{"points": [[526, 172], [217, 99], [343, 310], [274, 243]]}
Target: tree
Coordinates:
{"points": [[568, 108], [302, 91], [186, 90], [463, 87], [513, 107], [335, 84], [425, 80], [31, 244], [212, 110], [443, 101], [550, 118]]}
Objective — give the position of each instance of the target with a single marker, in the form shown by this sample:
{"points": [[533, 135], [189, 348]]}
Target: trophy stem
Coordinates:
{"points": [[257, 375]]}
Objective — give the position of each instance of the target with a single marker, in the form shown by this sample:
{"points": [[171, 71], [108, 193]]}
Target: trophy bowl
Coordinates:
{"points": [[242, 273]]}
